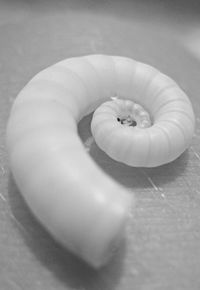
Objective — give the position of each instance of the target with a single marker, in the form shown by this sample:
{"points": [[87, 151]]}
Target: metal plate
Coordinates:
{"points": [[162, 248]]}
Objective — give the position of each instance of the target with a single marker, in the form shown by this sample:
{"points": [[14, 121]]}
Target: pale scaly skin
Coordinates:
{"points": [[83, 208]]}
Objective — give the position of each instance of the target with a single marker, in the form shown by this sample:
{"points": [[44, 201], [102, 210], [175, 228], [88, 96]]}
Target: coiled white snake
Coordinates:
{"points": [[147, 120]]}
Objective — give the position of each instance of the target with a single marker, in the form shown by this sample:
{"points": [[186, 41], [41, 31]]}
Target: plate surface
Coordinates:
{"points": [[162, 249]]}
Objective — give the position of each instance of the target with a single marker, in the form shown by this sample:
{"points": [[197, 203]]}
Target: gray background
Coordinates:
{"points": [[162, 249]]}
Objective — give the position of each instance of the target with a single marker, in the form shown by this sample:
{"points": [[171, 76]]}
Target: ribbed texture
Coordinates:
{"points": [[82, 207], [170, 110]]}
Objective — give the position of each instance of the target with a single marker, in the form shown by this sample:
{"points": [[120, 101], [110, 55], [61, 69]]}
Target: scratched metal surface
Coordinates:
{"points": [[162, 248]]}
